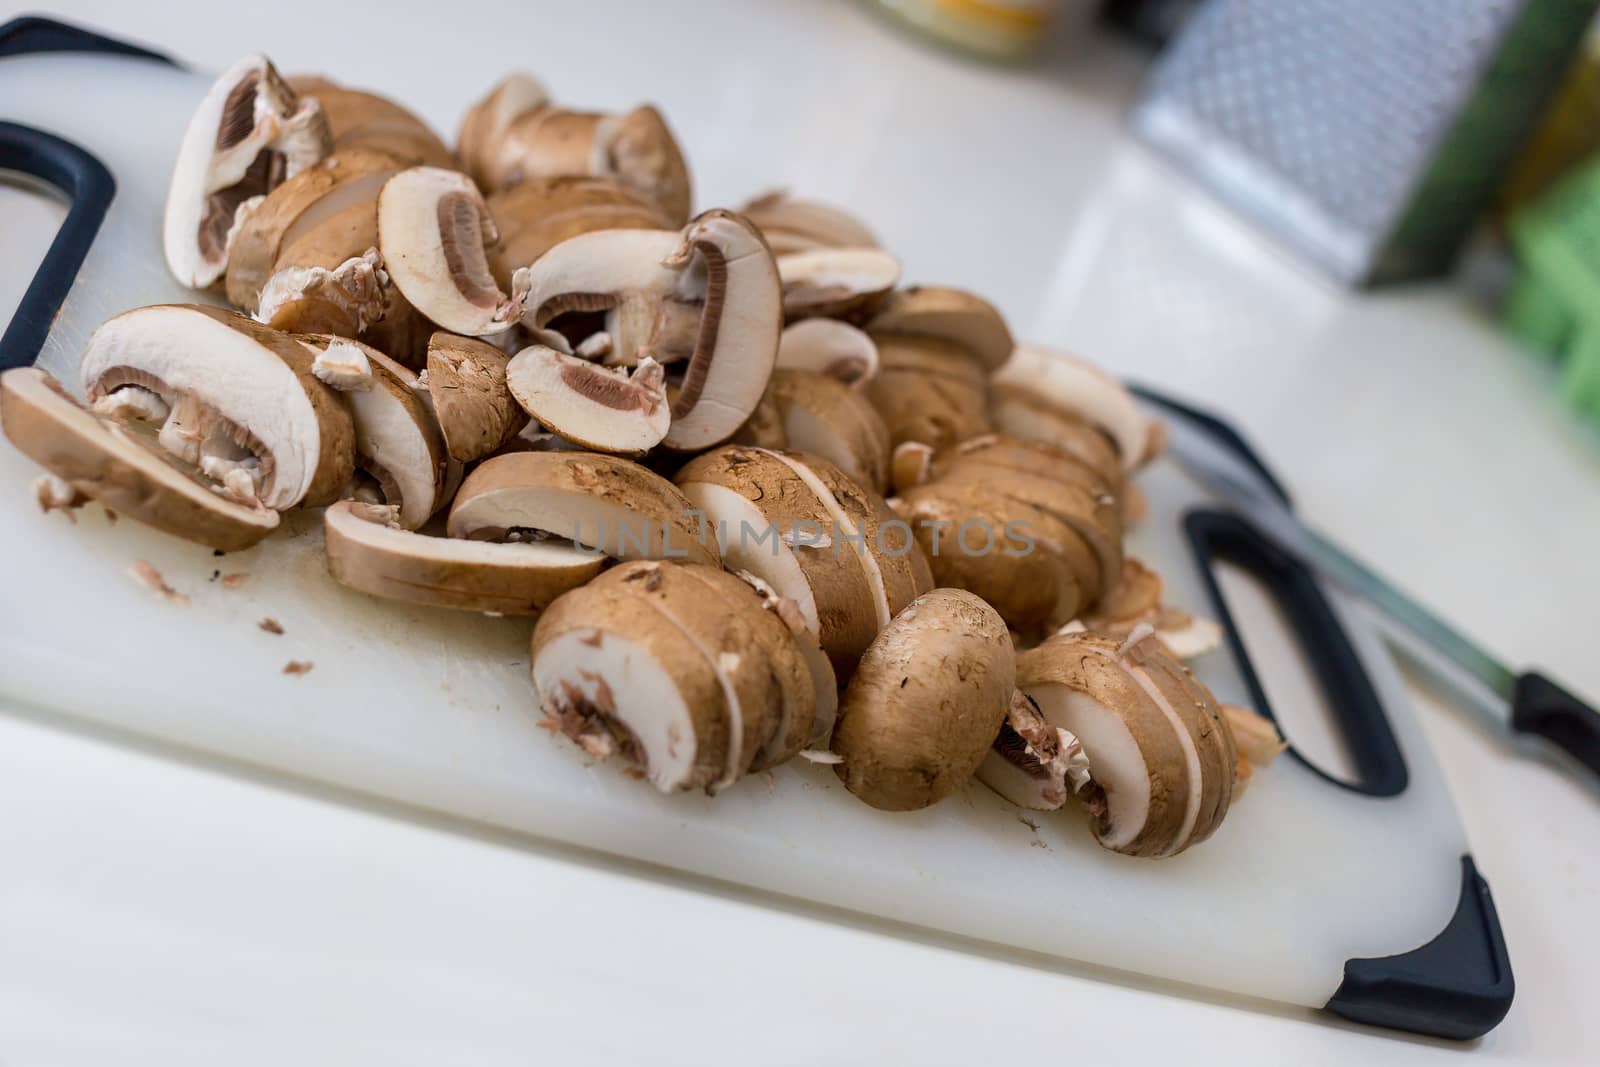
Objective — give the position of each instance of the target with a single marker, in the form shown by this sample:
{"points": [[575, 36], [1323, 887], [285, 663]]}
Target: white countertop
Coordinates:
{"points": [[163, 912]]}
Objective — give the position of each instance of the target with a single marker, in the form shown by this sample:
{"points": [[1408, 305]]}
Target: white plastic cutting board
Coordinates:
{"points": [[434, 708]]}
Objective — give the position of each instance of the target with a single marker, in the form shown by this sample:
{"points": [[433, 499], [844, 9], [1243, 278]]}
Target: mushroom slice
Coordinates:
{"points": [[434, 231], [604, 503], [359, 119], [618, 677], [952, 315], [600, 408], [471, 399], [638, 149], [923, 708], [103, 461], [794, 225], [301, 203], [1255, 736], [1045, 458], [928, 391], [347, 300], [536, 215], [910, 465], [486, 122], [835, 281], [738, 340], [622, 273], [824, 416], [831, 347], [249, 133], [369, 551], [1033, 764], [722, 632], [770, 522], [1077, 387], [241, 398], [397, 438], [1019, 413]]}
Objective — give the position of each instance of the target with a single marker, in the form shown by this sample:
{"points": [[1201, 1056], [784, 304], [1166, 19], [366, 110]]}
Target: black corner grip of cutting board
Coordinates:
{"points": [[82, 178], [90, 187], [1457, 986], [32, 34], [1540, 706]]}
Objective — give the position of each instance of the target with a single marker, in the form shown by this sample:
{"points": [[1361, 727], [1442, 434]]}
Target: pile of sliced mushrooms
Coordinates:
{"points": [[764, 501]]}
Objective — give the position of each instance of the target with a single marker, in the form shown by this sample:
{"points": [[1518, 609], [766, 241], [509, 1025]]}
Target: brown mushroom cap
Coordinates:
{"points": [[103, 461], [599, 501], [795, 225], [928, 391], [369, 554], [485, 124], [471, 400], [924, 706], [1019, 413], [951, 315], [361, 119], [824, 416]]}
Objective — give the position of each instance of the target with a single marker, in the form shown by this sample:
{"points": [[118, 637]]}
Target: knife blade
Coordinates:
{"points": [[1519, 702]]}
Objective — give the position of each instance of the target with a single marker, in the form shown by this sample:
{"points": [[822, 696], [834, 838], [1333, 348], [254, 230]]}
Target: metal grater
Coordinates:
{"points": [[1368, 135]]}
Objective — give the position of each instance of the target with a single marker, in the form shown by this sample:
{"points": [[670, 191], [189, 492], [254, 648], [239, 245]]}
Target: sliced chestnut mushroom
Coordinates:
{"points": [[831, 347], [1160, 776], [242, 402], [370, 552], [1135, 599], [772, 524], [361, 119], [923, 708], [1033, 764], [928, 391], [302, 205], [470, 396], [484, 127], [951, 315], [1075, 387], [618, 677], [536, 215], [636, 149], [434, 232], [249, 133], [604, 503], [794, 225], [97, 458], [835, 281], [764, 428], [824, 416], [738, 331], [600, 408], [397, 438]]}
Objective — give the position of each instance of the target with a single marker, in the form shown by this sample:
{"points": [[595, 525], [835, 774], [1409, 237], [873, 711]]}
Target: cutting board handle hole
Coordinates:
{"points": [[31, 214]]}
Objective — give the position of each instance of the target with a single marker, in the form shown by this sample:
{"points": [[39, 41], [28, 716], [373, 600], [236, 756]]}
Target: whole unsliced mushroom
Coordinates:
{"points": [[434, 232], [601, 408], [249, 133], [606, 504], [1065, 386], [471, 397], [98, 459], [1161, 757], [234, 399], [369, 551], [926, 702], [514, 134], [359, 119], [398, 441], [796, 225], [823, 416]]}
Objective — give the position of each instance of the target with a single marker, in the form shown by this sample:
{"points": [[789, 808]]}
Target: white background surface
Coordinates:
{"points": [[154, 912]]}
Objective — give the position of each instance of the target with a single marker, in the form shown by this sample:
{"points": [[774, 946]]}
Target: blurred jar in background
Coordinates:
{"points": [[1000, 29]]}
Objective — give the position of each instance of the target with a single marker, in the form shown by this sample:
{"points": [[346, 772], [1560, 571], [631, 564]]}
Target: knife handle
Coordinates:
{"points": [[1540, 706]]}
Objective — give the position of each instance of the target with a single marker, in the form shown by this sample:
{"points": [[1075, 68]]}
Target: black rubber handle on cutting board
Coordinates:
{"points": [[82, 178], [1459, 985]]}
